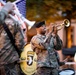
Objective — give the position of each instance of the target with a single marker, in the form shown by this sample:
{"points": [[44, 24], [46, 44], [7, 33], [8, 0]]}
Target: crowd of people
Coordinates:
{"points": [[44, 43]]}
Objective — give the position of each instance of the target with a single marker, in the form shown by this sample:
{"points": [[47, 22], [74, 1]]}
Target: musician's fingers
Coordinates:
{"points": [[50, 28], [8, 7]]}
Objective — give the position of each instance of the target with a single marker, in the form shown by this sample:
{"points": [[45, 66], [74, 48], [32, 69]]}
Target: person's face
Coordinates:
{"points": [[42, 29]]}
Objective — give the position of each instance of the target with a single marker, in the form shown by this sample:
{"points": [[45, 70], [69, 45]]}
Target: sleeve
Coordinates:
{"points": [[58, 43], [37, 43], [3, 15], [58, 59], [19, 40]]}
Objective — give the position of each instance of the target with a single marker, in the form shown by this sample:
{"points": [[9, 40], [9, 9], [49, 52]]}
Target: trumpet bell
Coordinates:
{"points": [[30, 24], [66, 23]]}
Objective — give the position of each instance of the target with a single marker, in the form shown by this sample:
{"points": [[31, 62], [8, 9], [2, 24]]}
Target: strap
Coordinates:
{"points": [[11, 37], [2, 70]]}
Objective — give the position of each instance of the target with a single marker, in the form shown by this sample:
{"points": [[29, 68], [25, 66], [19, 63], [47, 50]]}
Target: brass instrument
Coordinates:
{"points": [[17, 12], [49, 30], [65, 23]]}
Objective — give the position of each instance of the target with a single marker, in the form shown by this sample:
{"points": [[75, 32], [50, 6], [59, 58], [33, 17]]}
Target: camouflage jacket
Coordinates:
{"points": [[46, 56], [55, 43], [8, 54]]}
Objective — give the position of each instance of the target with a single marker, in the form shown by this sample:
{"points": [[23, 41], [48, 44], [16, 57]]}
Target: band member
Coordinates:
{"points": [[44, 46], [8, 54], [55, 44]]}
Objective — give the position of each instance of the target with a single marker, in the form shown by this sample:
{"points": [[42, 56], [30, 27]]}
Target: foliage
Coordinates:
{"points": [[50, 10]]}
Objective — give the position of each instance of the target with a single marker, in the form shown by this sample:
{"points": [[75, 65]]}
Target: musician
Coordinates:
{"points": [[44, 46], [8, 54]]}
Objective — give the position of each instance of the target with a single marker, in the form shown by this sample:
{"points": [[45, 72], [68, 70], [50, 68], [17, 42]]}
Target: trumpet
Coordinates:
{"points": [[65, 23], [16, 12], [51, 27]]}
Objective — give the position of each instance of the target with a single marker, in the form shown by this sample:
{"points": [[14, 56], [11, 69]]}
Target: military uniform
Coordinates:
{"points": [[53, 55], [47, 63], [8, 54], [42, 54]]}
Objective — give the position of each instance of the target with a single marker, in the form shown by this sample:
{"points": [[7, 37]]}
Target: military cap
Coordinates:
{"points": [[39, 24]]}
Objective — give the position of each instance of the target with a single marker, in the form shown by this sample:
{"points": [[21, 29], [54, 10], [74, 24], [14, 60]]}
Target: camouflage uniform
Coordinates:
{"points": [[53, 55], [47, 63], [8, 54]]}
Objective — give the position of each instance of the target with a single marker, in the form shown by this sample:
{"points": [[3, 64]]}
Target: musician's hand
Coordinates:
{"points": [[55, 30], [50, 28], [8, 7]]}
